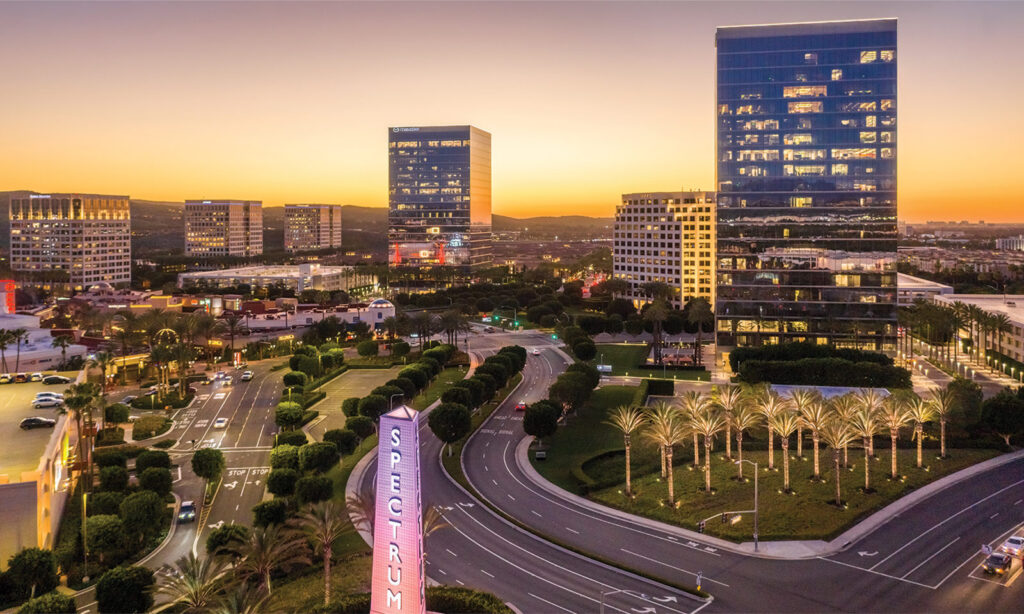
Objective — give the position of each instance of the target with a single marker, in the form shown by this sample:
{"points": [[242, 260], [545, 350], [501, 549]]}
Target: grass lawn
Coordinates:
{"points": [[434, 391], [150, 425], [624, 359], [350, 573]]}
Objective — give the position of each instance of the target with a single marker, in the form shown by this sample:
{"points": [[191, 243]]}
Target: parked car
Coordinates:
{"points": [[997, 563], [150, 392], [128, 399], [247, 376], [187, 512], [47, 403], [21, 378], [37, 423], [36, 377], [1014, 546], [52, 380], [6, 378], [49, 395], [220, 423]]}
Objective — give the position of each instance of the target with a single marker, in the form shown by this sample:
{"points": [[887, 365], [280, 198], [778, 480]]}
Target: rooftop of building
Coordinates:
{"points": [[1010, 304], [277, 270], [397, 130], [222, 201], [310, 205], [909, 282], [843, 26], [22, 449], [73, 195]]}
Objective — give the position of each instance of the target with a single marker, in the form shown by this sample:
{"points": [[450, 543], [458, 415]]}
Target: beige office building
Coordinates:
{"points": [[71, 241], [666, 237], [311, 227], [216, 228]]}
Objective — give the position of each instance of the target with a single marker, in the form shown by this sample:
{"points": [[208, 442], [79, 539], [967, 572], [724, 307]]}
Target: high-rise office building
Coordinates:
{"points": [[310, 227], [806, 172], [666, 237], [223, 228], [71, 241], [439, 200]]}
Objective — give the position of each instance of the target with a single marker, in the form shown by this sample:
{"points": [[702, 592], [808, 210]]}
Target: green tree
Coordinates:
{"points": [[323, 524], [318, 456], [1003, 414], [269, 513], [627, 420], [115, 414], [32, 571], [345, 440], [50, 603], [541, 419], [125, 590], [270, 548], [288, 415], [208, 463], [571, 390], [450, 422], [141, 514], [281, 482], [194, 583], [114, 479], [362, 426], [157, 480], [313, 489], [226, 540], [700, 316], [152, 458], [367, 348], [285, 457], [373, 406], [105, 537], [105, 503]]}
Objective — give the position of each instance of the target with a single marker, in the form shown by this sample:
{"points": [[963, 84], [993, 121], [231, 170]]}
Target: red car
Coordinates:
{"points": [[520, 406]]}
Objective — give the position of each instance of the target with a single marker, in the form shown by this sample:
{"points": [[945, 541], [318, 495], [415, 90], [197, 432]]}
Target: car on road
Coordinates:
{"points": [[228, 380], [997, 563], [521, 406], [36, 422], [220, 423], [536, 352], [47, 403], [21, 378], [36, 377], [128, 399], [6, 378], [247, 376], [488, 329], [220, 375], [52, 380], [1014, 546], [187, 512]]}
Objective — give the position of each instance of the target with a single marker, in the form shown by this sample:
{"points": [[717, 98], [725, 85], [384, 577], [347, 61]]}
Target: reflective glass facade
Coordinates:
{"points": [[439, 201], [806, 173]]}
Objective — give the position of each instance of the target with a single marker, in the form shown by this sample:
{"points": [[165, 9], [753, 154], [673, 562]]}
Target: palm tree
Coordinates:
{"points": [[232, 325], [5, 340], [206, 328], [895, 416], [814, 416], [865, 424], [801, 399], [785, 422], [920, 411], [694, 404], [102, 361], [194, 583], [323, 523], [433, 521], [871, 401], [244, 598], [943, 401], [269, 548], [707, 423], [769, 405], [62, 342], [627, 419], [655, 313], [362, 510], [844, 407], [666, 430], [961, 318], [700, 315], [183, 355], [1000, 324], [425, 325], [19, 336], [728, 398], [838, 435], [744, 417]]}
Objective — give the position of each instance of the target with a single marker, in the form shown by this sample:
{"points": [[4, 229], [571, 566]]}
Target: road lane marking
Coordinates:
{"points": [[680, 569], [486, 574], [930, 558], [551, 603], [536, 514], [1017, 502], [511, 497], [1001, 490], [993, 516], [460, 582], [442, 572], [572, 530], [451, 553], [878, 573], [974, 557]]}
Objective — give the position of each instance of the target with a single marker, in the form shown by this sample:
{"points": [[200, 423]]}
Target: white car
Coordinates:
{"points": [[536, 352], [49, 395], [35, 377], [246, 376], [45, 403], [220, 423], [228, 380], [1013, 546]]}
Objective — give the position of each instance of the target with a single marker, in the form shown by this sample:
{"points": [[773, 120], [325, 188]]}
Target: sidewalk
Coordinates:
{"points": [[792, 550]]}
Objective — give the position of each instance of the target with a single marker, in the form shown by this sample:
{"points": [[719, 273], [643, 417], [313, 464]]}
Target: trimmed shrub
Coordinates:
{"points": [[797, 351], [318, 456], [367, 348], [313, 489], [125, 590], [114, 479], [475, 388], [270, 512], [156, 479], [152, 458], [110, 458], [824, 372], [295, 378], [345, 440], [417, 376], [281, 482], [404, 384], [50, 603], [288, 415], [105, 503], [399, 349], [660, 387], [457, 395], [387, 391], [290, 438], [285, 457], [372, 406], [585, 350], [350, 407], [362, 426]]}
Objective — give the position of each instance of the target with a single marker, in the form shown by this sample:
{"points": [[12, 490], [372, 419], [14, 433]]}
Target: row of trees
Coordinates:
{"points": [[940, 326], [567, 394], [409, 382], [838, 422]]}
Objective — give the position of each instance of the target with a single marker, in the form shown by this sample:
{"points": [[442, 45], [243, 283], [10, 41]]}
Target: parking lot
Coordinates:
{"points": [[352, 383], [22, 449]]}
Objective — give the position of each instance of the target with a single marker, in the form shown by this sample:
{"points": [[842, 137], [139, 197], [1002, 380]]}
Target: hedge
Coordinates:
{"points": [[797, 351], [660, 387], [824, 372], [447, 599]]}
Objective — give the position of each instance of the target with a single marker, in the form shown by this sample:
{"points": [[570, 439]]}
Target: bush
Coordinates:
{"points": [[476, 389], [592, 374], [270, 512], [406, 385], [361, 426], [226, 538], [345, 440], [110, 458], [457, 395], [141, 515], [281, 482], [50, 603], [308, 416], [798, 351], [288, 415], [116, 413], [388, 392], [496, 371], [318, 456], [295, 378], [548, 320], [105, 503], [156, 479], [634, 325], [285, 457], [290, 438], [105, 537], [110, 437], [152, 458], [824, 372], [372, 406], [431, 366], [32, 568], [399, 349], [310, 365], [124, 590], [114, 479], [585, 350], [417, 376], [367, 348], [350, 407], [313, 489]]}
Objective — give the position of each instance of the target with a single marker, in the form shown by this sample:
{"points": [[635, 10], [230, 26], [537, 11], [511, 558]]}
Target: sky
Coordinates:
{"points": [[290, 102]]}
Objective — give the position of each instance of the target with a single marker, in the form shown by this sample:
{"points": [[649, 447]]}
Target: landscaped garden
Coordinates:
{"points": [[626, 358]]}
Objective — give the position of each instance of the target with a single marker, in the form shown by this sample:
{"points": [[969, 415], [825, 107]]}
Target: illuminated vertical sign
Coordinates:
{"points": [[398, 578], [8, 290]]}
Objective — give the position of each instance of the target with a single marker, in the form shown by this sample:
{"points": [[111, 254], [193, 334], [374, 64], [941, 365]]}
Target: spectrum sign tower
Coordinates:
{"points": [[398, 577]]}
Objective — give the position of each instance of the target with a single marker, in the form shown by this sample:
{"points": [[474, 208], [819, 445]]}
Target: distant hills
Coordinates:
{"points": [[158, 226]]}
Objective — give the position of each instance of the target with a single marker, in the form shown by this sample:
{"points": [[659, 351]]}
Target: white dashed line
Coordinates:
{"points": [[451, 553], [572, 530]]}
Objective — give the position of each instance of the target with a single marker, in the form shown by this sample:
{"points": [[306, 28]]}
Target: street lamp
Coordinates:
{"points": [[755, 497], [391, 401]]}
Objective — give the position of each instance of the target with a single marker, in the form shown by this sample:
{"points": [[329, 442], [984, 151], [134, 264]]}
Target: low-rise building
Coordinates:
{"points": [[1010, 342], [309, 276], [373, 313], [1011, 243], [910, 289], [36, 351]]}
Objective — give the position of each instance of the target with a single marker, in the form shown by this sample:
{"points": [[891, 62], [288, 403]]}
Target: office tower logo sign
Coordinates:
{"points": [[398, 578]]}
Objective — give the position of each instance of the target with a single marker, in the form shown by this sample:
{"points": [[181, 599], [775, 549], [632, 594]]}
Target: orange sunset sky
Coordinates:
{"points": [[290, 102]]}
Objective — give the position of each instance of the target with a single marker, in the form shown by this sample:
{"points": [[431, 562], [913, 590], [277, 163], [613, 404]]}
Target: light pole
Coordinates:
{"points": [[391, 401], [755, 498]]}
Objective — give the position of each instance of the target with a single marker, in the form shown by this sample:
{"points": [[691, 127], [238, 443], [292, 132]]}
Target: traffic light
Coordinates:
{"points": [[516, 322], [554, 336], [700, 525]]}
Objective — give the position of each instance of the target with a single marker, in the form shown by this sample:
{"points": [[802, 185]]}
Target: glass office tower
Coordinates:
{"points": [[806, 172], [439, 213]]}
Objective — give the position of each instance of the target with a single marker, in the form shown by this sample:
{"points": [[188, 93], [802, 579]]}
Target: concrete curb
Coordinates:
{"points": [[787, 550]]}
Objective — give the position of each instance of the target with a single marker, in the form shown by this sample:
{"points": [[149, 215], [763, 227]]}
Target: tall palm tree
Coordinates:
{"points": [[838, 435], [183, 355], [194, 583], [943, 401], [785, 423], [323, 523], [63, 342], [656, 313], [362, 510], [895, 416], [769, 405], [960, 312], [269, 548], [844, 407], [233, 325], [5, 340], [920, 411], [870, 400], [801, 399], [700, 315], [865, 424], [695, 403], [1000, 324], [627, 420], [661, 411], [207, 328], [102, 361], [744, 417], [814, 416], [19, 335], [707, 423], [425, 325], [728, 398], [667, 430]]}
